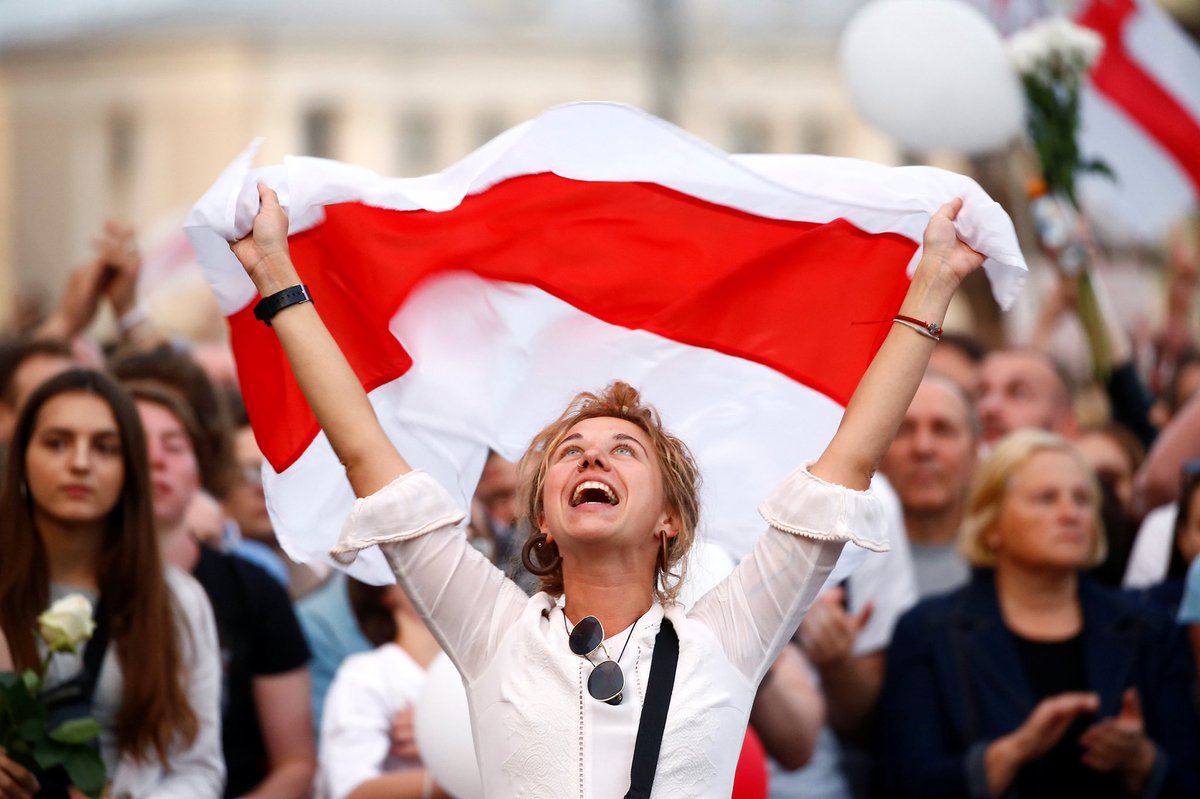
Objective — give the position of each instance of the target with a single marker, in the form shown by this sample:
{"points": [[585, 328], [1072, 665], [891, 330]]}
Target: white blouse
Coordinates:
{"points": [[195, 771], [356, 726], [538, 733]]}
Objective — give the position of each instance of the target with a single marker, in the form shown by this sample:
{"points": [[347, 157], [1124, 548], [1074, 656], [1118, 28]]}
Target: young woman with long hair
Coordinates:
{"points": [[76, 517]]}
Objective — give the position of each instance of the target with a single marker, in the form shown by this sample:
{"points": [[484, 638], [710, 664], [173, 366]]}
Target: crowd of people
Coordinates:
{"points": [[1032, 631]]}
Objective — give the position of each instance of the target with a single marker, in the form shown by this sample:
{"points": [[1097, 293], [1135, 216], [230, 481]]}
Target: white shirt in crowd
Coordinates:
{"points": [[356, 727]]}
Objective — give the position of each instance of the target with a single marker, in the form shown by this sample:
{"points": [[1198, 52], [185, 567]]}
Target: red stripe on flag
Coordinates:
{"points": [[783, 294], [1120, 78]]}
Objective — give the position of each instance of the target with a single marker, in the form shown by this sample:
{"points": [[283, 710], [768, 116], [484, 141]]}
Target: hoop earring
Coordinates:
{"points": [[539, 543], [664, 563]]}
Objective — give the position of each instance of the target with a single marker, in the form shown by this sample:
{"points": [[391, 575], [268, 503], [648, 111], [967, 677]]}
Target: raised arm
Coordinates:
{"points": [[887, 388], [329, 384]]}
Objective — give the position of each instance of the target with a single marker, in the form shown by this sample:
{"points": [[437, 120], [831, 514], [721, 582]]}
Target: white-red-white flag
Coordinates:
{"points": [[744, 296], [1140, 114]]}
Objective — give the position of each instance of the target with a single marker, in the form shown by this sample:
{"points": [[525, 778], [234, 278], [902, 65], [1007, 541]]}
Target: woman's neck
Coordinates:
{"points": [[72, 551], [616, 604], [1040, 604], [613, 583]]}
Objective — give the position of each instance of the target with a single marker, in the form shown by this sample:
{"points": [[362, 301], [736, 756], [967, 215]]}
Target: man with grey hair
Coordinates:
{"points": [[930, 464]]}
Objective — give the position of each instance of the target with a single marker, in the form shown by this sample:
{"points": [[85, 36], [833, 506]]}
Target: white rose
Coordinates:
{"points": [[67, 623], [1024, 54], [1088, 46]]}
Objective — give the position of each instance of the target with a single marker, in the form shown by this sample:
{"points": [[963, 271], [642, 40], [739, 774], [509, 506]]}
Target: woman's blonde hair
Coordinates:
{"points": [[991, 484], [681, 483]]}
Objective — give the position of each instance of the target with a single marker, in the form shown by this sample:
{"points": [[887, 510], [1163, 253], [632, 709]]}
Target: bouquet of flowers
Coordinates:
{"points": [[1052, 58], [25, 731]]}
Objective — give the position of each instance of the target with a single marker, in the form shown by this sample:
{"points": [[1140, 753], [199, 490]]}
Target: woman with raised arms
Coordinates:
{"points": [[557, 681]]}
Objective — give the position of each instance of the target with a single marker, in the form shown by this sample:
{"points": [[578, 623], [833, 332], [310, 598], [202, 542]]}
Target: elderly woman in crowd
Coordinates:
{"points": [[557, 699], [1032, 680]]}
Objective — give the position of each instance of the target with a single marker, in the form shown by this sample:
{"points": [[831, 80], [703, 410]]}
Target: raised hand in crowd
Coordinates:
{"points": [[111, 275], [117, 249], [79, 303]]}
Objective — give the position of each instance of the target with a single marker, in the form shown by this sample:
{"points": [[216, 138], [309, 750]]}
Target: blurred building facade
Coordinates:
{"points": [[132, 108]]}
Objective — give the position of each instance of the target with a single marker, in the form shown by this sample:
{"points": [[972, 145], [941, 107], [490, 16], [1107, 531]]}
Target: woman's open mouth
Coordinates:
{"points": [[593, 492]]}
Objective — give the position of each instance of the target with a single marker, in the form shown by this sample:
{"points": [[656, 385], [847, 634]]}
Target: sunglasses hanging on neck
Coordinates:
{"points": [[606, 682]]}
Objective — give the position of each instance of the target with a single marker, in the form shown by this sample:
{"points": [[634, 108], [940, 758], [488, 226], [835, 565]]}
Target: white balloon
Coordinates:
{"points": [[442, 724], [933, 74]]}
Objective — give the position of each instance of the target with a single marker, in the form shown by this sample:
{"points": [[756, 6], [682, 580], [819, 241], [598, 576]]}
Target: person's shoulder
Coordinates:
{"points": [[383, 658], [379, 667], [191, 600], [938, 608], [185, 587], [254, 576], [1122, 607], [935, 615]]}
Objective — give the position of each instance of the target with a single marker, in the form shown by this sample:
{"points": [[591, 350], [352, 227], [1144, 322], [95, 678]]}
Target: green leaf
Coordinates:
{"points": [[76, 731], [24, 707], [21, 754], [86, 770], [33, 683], [49, 754], [32, 730], [15, 686], [1099, 167]]}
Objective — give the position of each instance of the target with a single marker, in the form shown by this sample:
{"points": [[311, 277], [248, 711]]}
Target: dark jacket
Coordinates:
{"points": [[955, 682]]}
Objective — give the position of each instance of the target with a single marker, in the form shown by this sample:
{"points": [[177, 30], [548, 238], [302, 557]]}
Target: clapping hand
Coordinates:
{"points": [[1120, 744]]}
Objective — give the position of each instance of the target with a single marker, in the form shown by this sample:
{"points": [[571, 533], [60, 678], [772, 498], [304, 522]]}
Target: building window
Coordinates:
{"points": [[417, 131], [122, 146], [814, 135], [488, 126], [318, 129], [749, 135]]}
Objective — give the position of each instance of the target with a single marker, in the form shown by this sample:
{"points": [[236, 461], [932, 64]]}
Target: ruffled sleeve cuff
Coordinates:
{"points": [[806, 505], [411, 505]]}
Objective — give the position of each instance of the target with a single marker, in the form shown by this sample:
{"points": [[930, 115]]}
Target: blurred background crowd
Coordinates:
{"points": [[1034, 628]]}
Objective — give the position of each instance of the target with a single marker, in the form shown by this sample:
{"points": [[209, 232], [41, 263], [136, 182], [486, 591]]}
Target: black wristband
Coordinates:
{"points": [[267, 307]]}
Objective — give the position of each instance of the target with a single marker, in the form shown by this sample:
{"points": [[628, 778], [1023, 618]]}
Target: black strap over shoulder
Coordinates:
{"points": [[93, 653], [654, 712]]}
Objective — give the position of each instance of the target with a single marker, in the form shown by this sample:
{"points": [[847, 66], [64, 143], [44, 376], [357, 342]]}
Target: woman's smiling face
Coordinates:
{"points": [[604, 485]]}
